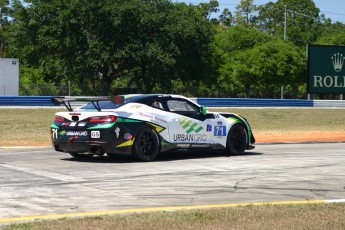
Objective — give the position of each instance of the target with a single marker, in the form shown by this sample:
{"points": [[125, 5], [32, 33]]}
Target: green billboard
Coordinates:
{"points": [[326, 69]]}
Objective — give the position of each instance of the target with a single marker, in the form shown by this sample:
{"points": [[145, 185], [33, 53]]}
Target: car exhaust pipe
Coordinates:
{"points": [[97, 150]]}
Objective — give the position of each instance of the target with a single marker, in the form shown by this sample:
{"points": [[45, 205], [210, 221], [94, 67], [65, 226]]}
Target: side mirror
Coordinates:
{"points": [[203, 110]]}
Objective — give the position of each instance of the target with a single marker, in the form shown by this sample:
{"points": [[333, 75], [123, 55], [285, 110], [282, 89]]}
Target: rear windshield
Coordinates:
{"points": [[102, 104], [108, 104]]}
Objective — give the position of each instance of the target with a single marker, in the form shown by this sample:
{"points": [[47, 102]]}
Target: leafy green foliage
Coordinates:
{"points": [[302, 20], [163, 46], [244, 11], [333, 34], [93, 43], [257, 62], [4, 24]]}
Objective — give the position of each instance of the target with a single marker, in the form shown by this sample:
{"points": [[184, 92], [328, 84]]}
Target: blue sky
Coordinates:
{"points": [[333, 9]]}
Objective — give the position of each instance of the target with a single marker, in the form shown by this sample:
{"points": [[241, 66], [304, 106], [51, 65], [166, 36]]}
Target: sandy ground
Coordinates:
{"points": [[301, 136]]}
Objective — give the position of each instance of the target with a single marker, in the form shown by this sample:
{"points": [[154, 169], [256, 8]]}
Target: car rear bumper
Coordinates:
{"points": [[91, 147]]}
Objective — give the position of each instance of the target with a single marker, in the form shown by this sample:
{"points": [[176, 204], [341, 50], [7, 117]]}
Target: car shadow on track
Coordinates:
{"points": [[163, 157]]}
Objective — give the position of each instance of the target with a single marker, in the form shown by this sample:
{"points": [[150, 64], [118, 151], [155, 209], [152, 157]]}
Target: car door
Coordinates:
{"points": [[186, 123]]}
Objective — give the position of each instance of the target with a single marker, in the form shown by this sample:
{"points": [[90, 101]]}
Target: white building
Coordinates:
{"points": [[9, 77]]}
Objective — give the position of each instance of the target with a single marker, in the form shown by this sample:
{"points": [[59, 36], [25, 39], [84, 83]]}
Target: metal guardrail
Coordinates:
{"points": [[329, 103], [26, 101], [210, 102], [252, 102]]}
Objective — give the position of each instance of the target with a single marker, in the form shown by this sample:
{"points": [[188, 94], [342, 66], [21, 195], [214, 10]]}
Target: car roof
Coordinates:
{"points": [[147, 97]]}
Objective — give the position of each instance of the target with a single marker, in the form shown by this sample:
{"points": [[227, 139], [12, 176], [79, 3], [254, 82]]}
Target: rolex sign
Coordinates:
{"points": [[326, 69]]}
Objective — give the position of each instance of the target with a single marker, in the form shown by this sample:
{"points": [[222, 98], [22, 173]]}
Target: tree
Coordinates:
{"points": [[93, 43], [208, 8], [333, 34], [177, 46], [230, 48], [226, 19], [4, 24], [244, 11], [302, 18], [255, 63], [277, 63]]}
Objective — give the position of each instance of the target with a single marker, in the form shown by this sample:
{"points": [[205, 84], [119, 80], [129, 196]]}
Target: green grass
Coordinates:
{"points": [[310, 216], [31, 126], [25, 126], [282, 120]]}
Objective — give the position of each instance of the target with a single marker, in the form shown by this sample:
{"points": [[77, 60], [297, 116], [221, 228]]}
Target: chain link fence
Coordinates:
{"points": [[65, 89], [45, 89]]}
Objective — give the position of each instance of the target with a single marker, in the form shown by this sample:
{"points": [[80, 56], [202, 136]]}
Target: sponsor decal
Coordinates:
{"points": [[62, 133], [200, 146], [128, 136], [73, 133], [183, 145], [55, 133], [190, 126], [158, 128], [219, 131], [117, 131], [338, 61], [145, 115], [82, 124], [71, 139], [95, 134], [152, 118], [190, 137], [219, 123], [65, 124], [158, 119], [135, 106], [209, 128], [73, 124]]}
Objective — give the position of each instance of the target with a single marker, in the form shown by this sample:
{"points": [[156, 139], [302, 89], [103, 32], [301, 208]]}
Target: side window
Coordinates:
{"points": [[181, 106], [157, 104]]}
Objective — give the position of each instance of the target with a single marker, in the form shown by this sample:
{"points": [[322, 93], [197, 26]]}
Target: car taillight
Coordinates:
{"points": [[59, 119], [103, 119]]}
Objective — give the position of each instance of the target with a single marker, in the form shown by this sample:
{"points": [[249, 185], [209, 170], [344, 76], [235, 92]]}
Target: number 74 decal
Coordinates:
{"points": [[219, 131]]}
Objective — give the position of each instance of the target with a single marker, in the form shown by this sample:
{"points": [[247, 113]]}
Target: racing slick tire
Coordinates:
{"points": [[237, 140], [81, 156], [146, 145]]}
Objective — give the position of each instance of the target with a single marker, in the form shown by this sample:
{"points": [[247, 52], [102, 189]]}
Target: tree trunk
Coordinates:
{"points": [[247, 91]]}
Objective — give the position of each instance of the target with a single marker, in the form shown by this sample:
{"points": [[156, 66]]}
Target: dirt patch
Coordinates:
{"points": [[300, 136]]}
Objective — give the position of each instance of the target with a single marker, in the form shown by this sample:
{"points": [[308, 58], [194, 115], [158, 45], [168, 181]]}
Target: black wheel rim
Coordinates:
{"points": [[239, 139], [147, 143]]}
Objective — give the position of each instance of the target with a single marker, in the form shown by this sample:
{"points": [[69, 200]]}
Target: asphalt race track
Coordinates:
{"points": [[40, 181]]}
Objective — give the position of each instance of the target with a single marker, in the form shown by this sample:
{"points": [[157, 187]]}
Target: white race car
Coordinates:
{"points": [[145, 125]]}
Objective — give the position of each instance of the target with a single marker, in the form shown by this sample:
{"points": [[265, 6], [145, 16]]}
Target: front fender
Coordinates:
{"points": [[241, 120]]}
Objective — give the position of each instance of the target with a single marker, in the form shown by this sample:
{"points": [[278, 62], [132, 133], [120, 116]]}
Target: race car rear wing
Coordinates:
{"points": [[94, 100]]}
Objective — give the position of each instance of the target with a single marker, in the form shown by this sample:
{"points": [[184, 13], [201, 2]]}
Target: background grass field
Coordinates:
{"points": [[312, 216], [32, 126]]}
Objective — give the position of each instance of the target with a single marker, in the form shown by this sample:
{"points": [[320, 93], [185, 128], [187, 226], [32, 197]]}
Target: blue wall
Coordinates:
{"points": [[210, 102], [26, 101], [251, 102]]}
